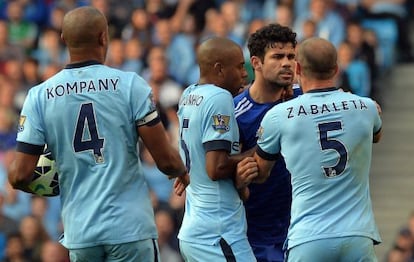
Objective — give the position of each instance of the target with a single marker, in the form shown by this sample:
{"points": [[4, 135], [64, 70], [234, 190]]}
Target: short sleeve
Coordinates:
{"points": [[143, 105], [269, 134], [219, 122], [30, 127]]}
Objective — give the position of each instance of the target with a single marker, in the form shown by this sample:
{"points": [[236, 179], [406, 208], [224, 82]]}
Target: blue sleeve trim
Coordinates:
{"points": [[217, 145], [267, 156], [30, 148]]}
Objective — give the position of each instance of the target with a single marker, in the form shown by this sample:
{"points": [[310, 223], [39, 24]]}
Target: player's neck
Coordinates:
{"points": [[313, 84], [262, 93], [80, 55]]}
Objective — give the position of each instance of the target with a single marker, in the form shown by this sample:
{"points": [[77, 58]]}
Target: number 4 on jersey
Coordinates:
{"points": [[86, 133]]}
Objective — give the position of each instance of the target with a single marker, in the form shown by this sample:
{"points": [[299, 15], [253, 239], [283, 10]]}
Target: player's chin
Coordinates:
{"points": [[285, 82]]}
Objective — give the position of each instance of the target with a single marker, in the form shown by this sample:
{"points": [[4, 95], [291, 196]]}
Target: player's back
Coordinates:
{"points": [[89, 112], [326, 139], [213, 208]]}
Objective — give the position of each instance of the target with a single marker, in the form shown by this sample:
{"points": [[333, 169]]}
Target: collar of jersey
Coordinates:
{"points": [[328, 89], [82, 64]]}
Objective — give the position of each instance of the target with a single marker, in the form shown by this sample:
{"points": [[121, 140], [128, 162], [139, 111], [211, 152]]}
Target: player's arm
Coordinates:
{"points": [[377, 136], [165, 155], [264, 165], [21, 170], [221, 165]]}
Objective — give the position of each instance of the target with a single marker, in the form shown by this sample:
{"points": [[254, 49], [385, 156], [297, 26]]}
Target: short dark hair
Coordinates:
{"points": [[267, 36]]}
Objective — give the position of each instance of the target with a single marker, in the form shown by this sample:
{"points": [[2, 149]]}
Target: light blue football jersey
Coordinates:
{"points": [[326, 140], [87, 115], [213, 209]]}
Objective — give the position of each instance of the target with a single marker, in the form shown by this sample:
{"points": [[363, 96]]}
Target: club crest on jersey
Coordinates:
{"points": [[259, 133], [153, 105], [221, 123], [20, 126]]}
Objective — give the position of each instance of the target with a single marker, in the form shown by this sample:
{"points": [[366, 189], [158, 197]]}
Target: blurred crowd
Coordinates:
{"points": [[157, 39]]}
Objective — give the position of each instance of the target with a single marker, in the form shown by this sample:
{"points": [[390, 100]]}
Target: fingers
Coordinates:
{"points": [[247, 170], [180, 184], [244, 193]]}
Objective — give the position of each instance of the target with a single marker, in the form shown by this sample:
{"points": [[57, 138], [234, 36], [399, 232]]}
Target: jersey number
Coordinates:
{"points": [[184, 145], [333, 144], [87, 121]]}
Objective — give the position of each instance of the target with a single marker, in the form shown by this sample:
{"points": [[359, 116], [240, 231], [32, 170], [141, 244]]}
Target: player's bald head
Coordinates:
{"points": [[318, 58], [83, 26], [216, 50]]}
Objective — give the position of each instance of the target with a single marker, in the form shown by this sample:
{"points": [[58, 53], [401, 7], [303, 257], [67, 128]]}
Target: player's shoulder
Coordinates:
{"points": [[362, 99], [214, 93]]}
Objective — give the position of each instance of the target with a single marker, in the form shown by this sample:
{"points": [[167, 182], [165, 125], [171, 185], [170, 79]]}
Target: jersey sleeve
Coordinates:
{"points": [[377, 118], [219, 123], [268, 141], [143, 105], [30, 127]]}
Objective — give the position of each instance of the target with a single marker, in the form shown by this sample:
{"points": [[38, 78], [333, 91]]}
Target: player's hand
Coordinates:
{"points": [[247, 170], [180, 184], [244, 193]]}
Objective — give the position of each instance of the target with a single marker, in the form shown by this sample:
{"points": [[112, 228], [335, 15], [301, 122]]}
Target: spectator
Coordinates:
{"points": [[362, 49], [8, 226], [54, 252], [139, 27], [21, 32], [8, 131], [230, 11], [165, 227], [133, 57], [308, 29], [159, 185], [34, 235], [330, 25], [50, 49], [16, 203], [115, 57], [14, 251], [7, 49], [179, 49], [354, 73], [166, 91]]}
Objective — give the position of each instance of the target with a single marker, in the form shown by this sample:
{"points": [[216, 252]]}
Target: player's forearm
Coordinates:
{"points": [[222, 170], [19, 179], [264, 167], [377, 136], [172, 165]]}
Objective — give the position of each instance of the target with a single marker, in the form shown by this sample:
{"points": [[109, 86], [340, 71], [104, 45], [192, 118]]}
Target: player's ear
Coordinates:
{"points": [[298, 69], [336, 69], [103, 38], [63, 38], [218, 68], [256, 63]]}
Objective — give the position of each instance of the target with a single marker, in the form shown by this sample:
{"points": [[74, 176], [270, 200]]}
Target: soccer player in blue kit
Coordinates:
{"points": [[272, 56], [214, 223], [91, 117], [325, 137]]}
